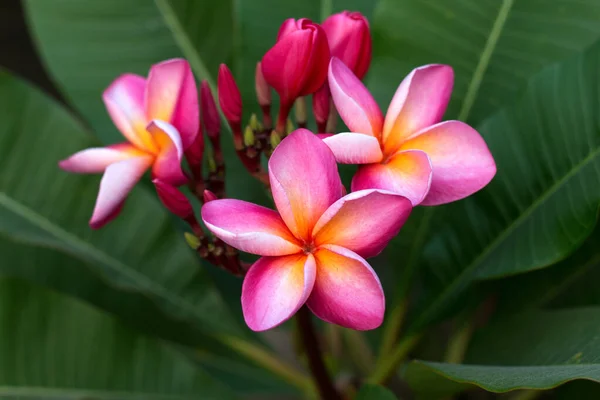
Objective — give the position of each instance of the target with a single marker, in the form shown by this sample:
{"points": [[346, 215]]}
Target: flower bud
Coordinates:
{"points": [[321, 106], [173, 199], [263, 91], [209, 196], [230, 98], [349, 40], [195, 153], [209, 112], [302, 48]]}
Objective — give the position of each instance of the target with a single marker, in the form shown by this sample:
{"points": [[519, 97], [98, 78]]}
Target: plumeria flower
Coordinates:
{"points": [[314, 246], [159, 117], [410, 152]]}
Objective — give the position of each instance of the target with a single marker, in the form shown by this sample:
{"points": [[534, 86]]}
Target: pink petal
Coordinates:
{"points": [[420, 101], [462, 163], [363, 221], [354, 148], [124, 100], [250, 228], [407, 173], [347, 291], [117, 181], [275, 288], [171, 96], [304, 181], [167, 166], [96, 159], [353, 101]]}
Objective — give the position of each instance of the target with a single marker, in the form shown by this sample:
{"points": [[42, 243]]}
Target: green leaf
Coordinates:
{"points": [[374, 392], [56, 347], [536, 350], [544, 200]]}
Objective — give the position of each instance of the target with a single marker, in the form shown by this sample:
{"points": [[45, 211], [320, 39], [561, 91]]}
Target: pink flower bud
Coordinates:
{"points": [[230, 98], [195, 153], [173, 199], [321, 105], [209, 112], [350, 40], [297, 64], [263, 91], [209, 196]]}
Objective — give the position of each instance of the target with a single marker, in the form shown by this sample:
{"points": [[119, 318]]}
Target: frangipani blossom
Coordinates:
{"points": [[410, 152], [314, 246], [159, 117]]}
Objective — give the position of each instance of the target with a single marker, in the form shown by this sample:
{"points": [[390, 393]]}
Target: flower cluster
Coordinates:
{"points": [[313, 247]]}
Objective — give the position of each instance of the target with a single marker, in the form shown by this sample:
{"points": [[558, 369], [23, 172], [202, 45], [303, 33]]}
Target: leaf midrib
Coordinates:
{"points": [[505, 233]]}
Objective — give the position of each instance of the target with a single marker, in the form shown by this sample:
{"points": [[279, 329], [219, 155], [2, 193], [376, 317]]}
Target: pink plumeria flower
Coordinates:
{"points": [[314, 246], [410, 152], [159, 117]]}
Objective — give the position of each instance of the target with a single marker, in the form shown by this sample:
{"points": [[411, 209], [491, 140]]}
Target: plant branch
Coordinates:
{"points": [[386, 366], [313, 353]]}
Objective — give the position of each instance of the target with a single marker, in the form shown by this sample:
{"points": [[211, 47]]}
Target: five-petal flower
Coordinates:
{"points": [[314, 246], [410, 152], [159, 117]]}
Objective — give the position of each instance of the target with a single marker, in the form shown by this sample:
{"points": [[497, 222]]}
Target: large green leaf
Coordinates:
{"points": [[374, 392], [55, 347], [537, 350], [544, 199]]}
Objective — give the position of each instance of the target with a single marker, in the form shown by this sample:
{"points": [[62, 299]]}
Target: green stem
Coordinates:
{"points": [[359, 351], [459, 342], [385, 368], [268, 361], [392, 329]]}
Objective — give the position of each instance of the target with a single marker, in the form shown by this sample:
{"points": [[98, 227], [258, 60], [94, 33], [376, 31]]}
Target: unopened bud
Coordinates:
{"points": [[300, 111], [212, 165], [209, 112], [230, 98], [274, 139], [173, 199], [255, 123], [209, 196], [192, 240], [321, 105], [195, 153], [289, 127], [263, 91], [248, 137]]}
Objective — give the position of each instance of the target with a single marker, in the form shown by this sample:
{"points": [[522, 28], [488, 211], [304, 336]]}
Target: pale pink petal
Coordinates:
{"points": [[354, 103], [275, 288], [354, 148], [117, 181], [407, 173], [250, 228], [124, 100], [363, 221], [167, 166], [96, 159], [420, 101], [172, 96], [347, 291], [304, 180], [462, 163]]}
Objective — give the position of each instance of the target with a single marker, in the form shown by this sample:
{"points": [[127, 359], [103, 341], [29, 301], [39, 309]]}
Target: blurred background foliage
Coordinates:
{"points": [[506, 278]]}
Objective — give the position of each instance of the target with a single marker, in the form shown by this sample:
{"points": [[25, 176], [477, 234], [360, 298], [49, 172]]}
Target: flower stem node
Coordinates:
{"points": [[249, 136], [192, 240], [274, 139]]}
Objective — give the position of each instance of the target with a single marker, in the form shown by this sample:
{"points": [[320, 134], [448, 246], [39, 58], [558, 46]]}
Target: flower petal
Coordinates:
{"points": [[363, 221], [248, 227], [420, 101], [167, 166], [354, 148], [462, 163], [124, 100], [117, 181], [96, 159], [304, 180], [353, 101], [347, 291], [275, 288], [171, 96], [407, 173]]}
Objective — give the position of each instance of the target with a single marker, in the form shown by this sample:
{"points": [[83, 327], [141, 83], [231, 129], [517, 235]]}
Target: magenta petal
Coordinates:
{"points": [[407, 173], [354, 148], [347, 291], [353, 101], [248, 227], [363, 221], [117, 181], [95, 160], [167, 166], [171, 96], [462, 163], [275, 288], [304, 180]]}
